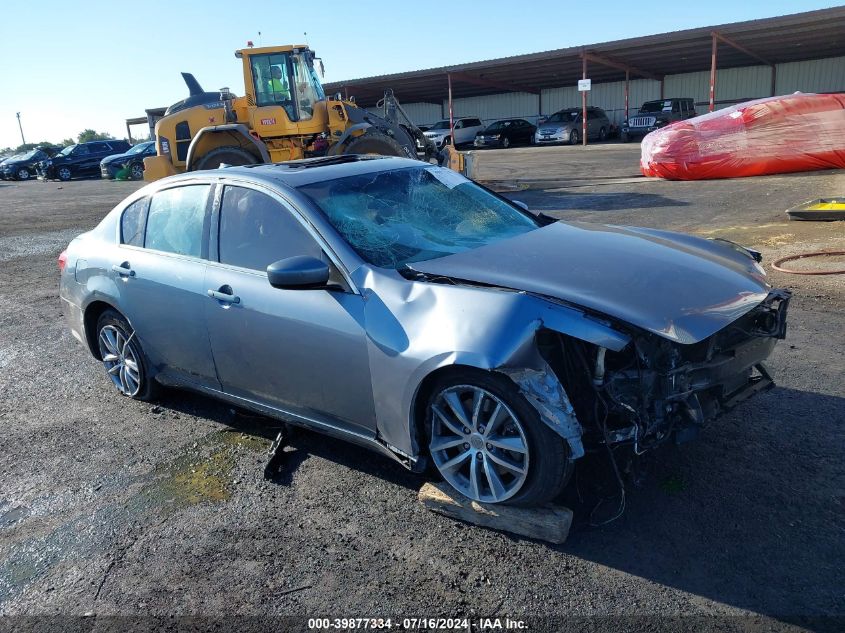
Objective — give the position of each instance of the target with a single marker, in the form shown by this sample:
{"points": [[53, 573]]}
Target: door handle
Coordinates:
{"points": [[225, 297], [123, 270]]}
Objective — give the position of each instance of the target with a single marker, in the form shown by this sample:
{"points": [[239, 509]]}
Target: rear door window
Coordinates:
{"points": [[99, 148], [256, 230], [132, 223], [176, 220]]}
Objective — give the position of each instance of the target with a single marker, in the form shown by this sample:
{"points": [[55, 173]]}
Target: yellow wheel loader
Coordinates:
{"points": [[283, 116]]}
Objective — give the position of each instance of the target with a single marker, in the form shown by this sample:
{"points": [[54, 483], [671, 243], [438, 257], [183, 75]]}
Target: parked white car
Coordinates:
{"points": [[465, 130]]}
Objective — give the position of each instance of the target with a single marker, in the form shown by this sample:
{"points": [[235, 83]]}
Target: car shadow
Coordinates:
{"points": [[749, 515], [302, 443], [569, 201]]}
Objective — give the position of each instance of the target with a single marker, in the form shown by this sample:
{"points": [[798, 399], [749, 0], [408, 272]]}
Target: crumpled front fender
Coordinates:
{"points": [[417, 328]]}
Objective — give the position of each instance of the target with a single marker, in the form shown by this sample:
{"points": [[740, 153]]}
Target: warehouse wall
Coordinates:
{"points": [[500, 106], [820, 75], [423, 113], [732, 85]]}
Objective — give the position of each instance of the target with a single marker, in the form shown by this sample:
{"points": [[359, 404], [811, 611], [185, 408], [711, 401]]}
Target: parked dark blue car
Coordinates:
{"points": [[129, 164]]}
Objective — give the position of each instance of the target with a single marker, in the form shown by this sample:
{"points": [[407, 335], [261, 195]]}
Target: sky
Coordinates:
{"points": [[68, 66]]}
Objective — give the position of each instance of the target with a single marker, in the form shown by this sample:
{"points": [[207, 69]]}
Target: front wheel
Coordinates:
{"points": [[603, 134], [506, 143], [489, 443], [136, 171], [574, 137], [23, 174], [228, 155], [375, 143], [64, 173], [122, 356]]}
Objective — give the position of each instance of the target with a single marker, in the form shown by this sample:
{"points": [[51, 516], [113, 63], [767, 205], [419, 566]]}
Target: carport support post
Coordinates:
{"points": [[451, 119], [583, 102], [714, 48], [627, 77]]}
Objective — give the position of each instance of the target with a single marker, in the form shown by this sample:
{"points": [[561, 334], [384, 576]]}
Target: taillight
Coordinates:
{"points": [[62, 261]]}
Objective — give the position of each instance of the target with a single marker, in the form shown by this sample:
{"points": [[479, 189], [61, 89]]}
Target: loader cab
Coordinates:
{"points": [[282, 84]]}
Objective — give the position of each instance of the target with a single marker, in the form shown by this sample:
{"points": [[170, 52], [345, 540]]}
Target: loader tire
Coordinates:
{"points": [[375, 143], [228, 155]]}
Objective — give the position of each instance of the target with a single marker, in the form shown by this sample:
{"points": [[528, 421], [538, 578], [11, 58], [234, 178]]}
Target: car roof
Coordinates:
{"points": [[298, 173]]}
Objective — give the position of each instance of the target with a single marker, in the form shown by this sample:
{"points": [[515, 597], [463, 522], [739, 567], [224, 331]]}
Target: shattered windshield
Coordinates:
{"points": [[392, 218]]}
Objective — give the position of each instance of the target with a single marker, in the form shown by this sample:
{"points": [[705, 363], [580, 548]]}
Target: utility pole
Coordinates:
{"points": [[23, 140]]}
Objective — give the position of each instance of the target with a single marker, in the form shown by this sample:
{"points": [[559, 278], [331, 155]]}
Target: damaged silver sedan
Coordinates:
{"points": [[400, 306]]}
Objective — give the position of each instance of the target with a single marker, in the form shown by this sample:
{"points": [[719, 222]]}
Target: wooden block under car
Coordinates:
{"points": [[548, 523]]}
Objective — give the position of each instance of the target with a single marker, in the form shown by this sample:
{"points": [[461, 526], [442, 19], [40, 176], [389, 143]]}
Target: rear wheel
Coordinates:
{"points": [[574, 137], [122, 356], [228, 155], [489, 443], [375, 143], [23, 174]]}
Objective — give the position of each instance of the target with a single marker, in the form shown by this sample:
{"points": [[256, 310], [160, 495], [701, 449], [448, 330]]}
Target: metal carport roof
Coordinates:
{"points": [[796, 37]]}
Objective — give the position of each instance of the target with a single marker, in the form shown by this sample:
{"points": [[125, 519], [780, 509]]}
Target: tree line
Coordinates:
{"points": [[83, 137]]}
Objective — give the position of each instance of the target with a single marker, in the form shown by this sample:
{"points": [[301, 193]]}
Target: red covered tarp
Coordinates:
{"points": [[798, 132]]}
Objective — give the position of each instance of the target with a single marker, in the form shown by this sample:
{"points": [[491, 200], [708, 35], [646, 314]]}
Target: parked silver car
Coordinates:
{"points": [[566, 126], [400, 306], [465, 130]]}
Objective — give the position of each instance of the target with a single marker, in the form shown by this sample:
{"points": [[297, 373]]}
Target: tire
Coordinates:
{"points": [[228, 155], [603, 134], [64, 173], [23, 174], [375, 143], [574, 137], [625, 137], [541, 455], [506, 143], [136, 171], [121, 354]]}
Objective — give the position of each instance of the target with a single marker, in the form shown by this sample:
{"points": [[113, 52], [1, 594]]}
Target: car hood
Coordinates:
{"points": [[551, 127], [679, 287], [115, 158]]}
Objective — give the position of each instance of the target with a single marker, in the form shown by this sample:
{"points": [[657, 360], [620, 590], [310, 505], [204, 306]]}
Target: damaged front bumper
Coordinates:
{"points": [[654, 389]]}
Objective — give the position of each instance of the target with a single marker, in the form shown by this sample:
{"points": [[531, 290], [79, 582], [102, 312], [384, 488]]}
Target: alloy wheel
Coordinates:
{"points": [[64, 173], [23, 174], [120, 360], [137, 172], [478, 444]]}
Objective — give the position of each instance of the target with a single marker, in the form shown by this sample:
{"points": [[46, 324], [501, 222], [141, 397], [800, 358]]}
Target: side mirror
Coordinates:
{"points": [[520, 204], [300, 272]]}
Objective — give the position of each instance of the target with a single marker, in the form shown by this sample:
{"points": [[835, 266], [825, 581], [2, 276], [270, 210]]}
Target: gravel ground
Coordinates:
{"points": [[115, 507]]}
